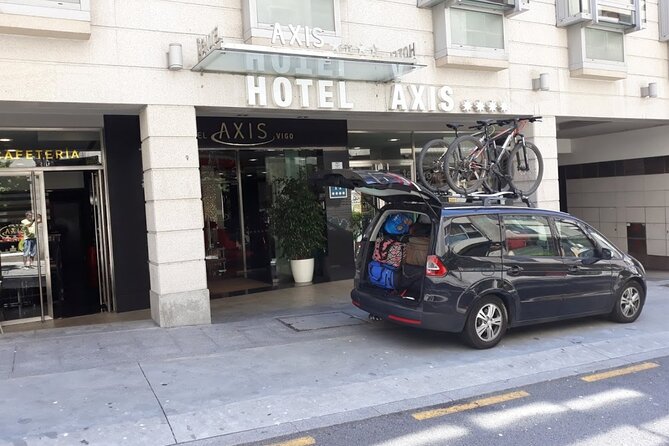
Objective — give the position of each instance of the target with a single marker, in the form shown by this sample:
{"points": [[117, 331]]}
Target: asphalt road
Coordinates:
{"points": [[623, 406]]}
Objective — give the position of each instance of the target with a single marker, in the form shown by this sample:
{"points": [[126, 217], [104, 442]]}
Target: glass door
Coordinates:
{"points": [[227, 243], [24, 261]]}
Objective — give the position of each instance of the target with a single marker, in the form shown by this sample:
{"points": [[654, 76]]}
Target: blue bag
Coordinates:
{"points": [[382, 275], [398, 224]]}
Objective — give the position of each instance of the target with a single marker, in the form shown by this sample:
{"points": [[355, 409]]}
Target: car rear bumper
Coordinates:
{"points": [[407, 315]]}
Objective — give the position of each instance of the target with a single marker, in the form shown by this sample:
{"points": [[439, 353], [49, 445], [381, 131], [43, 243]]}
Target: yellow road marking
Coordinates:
{"points": [[469, 406], [302, 441], [619, 372]]}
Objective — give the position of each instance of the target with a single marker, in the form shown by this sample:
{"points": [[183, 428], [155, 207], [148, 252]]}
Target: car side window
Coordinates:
{"points": [[528, 235], [603, 243], [573, 241], [475, 236]]}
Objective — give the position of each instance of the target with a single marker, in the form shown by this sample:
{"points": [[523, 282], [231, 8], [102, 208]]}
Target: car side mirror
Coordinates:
{"points": [[606, 254]]}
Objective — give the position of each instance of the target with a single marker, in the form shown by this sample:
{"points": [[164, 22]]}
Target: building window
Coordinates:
{"points": [[477, 29], [596, 32], [508, 7], [311, 13], [625, 15], [470, 38], [50, 18], [596, 53], [664, 19], [260, 16], [604, 45], [48, 8]]}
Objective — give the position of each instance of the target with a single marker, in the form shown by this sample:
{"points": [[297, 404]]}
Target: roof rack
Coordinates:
{"points": [[505, 198]]}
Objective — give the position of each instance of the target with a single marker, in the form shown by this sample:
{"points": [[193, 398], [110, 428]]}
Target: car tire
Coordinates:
{"points": [[629, 303], [486, 323]]}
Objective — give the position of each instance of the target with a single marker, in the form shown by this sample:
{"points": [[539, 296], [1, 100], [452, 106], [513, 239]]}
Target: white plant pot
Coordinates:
{"points": [[303, 270]]}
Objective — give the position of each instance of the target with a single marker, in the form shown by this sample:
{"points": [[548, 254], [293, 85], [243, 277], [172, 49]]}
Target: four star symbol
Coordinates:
{"points": [[478, 106]]}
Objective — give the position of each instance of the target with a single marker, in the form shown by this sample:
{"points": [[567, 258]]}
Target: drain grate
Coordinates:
{"points": [[320, 321]]}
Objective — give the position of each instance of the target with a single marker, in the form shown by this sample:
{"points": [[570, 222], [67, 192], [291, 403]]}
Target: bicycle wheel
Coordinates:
{"points": [[526, 168], [431, 165], [466, 164]]}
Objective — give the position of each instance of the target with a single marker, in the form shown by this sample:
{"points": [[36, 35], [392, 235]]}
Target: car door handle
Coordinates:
{"points": [[574, 269], [514, 270]]}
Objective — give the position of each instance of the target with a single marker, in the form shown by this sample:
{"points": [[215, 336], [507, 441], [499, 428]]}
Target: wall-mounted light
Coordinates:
{"points": [[394, 139], [175, 58], [6, 140], [650, 91], [541, 83]]}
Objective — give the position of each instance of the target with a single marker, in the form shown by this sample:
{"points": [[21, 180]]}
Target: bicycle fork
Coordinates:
{"points": [[521, 156]]}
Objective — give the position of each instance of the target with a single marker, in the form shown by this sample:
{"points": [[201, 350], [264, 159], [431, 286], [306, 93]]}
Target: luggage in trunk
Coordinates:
{"points": [[415, 252]]}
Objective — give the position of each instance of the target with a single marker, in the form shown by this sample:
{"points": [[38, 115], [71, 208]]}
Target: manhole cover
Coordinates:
{"points": [[320, 321]]}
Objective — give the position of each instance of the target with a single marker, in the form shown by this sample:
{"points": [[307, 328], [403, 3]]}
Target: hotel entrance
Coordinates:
{"points": [[54, 243], [241, 160]]}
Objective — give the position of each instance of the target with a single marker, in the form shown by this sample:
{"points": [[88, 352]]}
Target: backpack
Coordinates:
{"points": [[382, 275], [388, 251], [398, 224]]}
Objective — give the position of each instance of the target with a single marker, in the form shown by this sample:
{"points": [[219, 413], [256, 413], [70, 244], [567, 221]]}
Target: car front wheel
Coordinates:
{"points": [[629, 303], [486, 323]]}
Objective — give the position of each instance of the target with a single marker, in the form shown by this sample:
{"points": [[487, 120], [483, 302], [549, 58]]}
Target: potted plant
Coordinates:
{"points": [[297, 221]]}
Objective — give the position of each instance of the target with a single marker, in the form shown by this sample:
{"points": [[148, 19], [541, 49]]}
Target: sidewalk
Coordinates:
{"points": [[305, 358]]}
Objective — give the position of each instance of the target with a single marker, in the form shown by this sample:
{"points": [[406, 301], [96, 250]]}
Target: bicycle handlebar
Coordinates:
{"points": [[503, 122]]}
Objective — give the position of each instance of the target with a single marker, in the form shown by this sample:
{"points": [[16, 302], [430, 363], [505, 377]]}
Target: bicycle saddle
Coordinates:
{"points": [[454, 126]]}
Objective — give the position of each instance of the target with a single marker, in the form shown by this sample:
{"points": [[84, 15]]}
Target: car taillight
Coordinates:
{"points": [[435, 267]]}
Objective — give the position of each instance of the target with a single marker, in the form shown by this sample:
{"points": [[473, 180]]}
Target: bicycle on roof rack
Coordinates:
{"points": [[498, 161]]}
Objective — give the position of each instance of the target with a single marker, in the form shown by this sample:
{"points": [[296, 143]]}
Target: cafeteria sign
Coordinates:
{"points": [[38, 154]]}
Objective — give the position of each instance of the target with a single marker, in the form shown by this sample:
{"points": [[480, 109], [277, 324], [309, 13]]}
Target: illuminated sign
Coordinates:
{"points": [[214, 133], [38, 154]]}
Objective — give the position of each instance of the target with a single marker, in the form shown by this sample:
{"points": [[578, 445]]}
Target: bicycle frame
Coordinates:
{"points": [[489, 144]]}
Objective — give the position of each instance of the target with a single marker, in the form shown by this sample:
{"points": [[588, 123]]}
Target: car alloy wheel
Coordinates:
{"points": [[630, 301], [488, 322]]}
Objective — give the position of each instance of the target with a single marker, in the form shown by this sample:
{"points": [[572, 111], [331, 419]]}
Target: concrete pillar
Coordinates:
{"points": [[544, 135], [174, 221]]}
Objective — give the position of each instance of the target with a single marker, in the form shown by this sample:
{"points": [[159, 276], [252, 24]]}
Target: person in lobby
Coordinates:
{"points": [[28, 227]]}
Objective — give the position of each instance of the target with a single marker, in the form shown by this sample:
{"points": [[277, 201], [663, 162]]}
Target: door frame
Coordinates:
{"points": [[101, 190], [38, 207]]}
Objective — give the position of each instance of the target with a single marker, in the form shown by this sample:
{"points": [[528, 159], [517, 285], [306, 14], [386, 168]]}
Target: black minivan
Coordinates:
{"points": [[478, 270]]}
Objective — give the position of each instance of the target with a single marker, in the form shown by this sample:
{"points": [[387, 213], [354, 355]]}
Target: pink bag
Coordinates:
{"points": [[388, 251]]}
